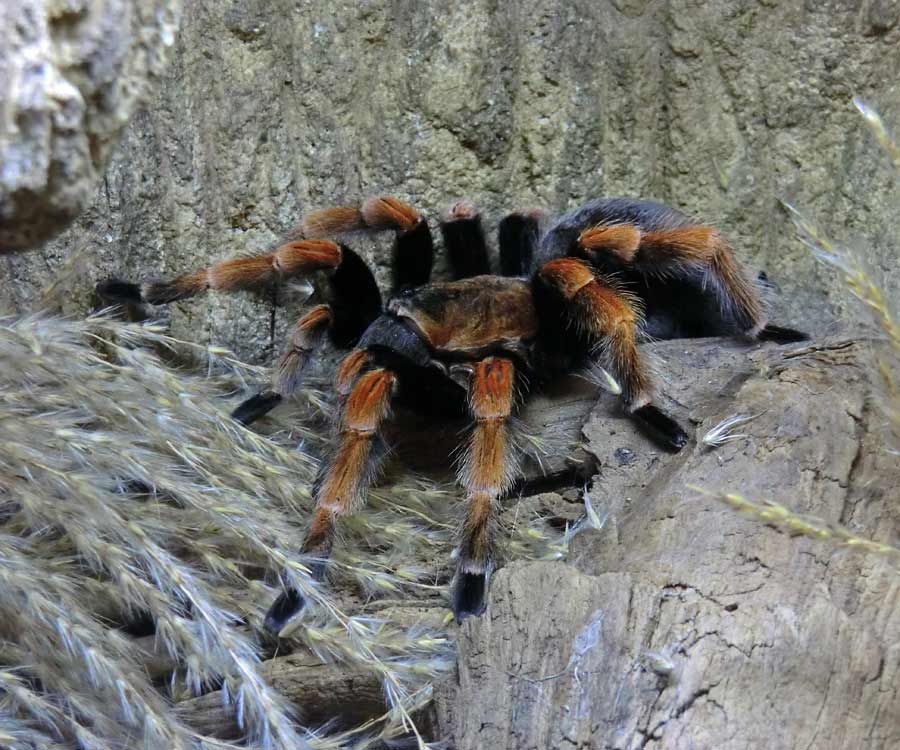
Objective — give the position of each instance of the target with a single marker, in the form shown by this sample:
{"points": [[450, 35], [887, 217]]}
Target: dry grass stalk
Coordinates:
{"points": [[804, 525], [125, 489], [125, 486]]}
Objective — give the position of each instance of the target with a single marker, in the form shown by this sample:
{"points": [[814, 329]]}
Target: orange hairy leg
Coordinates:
{"points": [[692, 250], [704, 247], [622, 240], [353, 303], [413, 246], [348, 371], [665, 251], [610, 320], [341, 488], [238, 274], [305, 338], [247, 274], [487, 472], [343, 484]]}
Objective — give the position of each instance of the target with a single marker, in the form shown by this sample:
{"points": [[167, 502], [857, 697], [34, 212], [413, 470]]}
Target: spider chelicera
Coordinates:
{"points": [[585, 287]]}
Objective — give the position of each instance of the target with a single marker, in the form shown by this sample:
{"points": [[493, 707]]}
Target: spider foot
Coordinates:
{"points": [[661, 428], [120, 292], [256, 406], [468, 594], [283, 610], [781, 335]]}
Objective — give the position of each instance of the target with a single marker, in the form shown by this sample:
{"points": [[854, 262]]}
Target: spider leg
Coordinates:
{"points": [[610, 319], [781, 335], [689, 252], [292, 259], [486, 473], [348, 372], [518, 236], [413, 245], [464, 240], [354, 302], [341, 488], [699, 247], [304, 340]]}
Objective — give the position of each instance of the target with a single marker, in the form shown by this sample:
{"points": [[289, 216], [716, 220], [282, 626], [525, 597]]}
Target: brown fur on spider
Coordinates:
{"points": [[587, 286]]}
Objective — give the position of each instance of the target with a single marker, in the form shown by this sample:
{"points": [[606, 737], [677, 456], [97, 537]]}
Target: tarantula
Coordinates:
{"points": [[587, 286]]}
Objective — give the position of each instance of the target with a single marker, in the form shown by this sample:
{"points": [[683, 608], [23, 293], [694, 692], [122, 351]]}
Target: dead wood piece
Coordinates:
{"points": [[319, 692], [683, 624]]}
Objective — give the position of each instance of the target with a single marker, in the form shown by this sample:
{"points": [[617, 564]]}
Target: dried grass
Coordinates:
{"points": [[127, 491], [802, 524]]}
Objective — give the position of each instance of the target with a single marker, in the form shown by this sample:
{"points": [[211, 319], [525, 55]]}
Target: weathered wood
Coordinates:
{"points": [[319, 692], [682, 624]]}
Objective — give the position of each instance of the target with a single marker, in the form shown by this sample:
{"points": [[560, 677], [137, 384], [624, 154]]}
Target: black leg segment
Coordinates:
{"points": [[290, 602], [120, 292], [781, 335], [464, 240], [518, 235], [660, 428], [256, 407], [354, 299], [413, 256]]}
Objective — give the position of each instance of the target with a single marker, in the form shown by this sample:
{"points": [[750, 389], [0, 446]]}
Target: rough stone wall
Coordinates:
{"points": [[273, 107], [72, 73]]}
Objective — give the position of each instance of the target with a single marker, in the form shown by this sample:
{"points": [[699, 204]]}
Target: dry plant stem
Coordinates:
{"points": [[231, 654], [869, 293], [876, 125], [816, 528], [66, 634], [148, 496], [211, 497]]}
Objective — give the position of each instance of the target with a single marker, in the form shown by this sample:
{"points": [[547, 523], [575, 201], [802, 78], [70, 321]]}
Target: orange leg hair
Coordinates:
{"points": [[704, 246], [307, 333], [305, 338], [612, 318], [413, 246], [341, 488], [487, 472], [375, 213], [348, 371], [242, 274], [694, 245]]}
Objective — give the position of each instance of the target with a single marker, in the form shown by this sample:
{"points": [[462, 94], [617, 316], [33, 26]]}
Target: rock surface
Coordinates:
{"points": [[270, 108], [72, 74], [682, 624]]}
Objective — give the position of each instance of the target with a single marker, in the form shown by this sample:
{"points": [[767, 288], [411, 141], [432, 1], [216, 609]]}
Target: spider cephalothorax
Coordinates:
{"points": [[585, 287]]}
